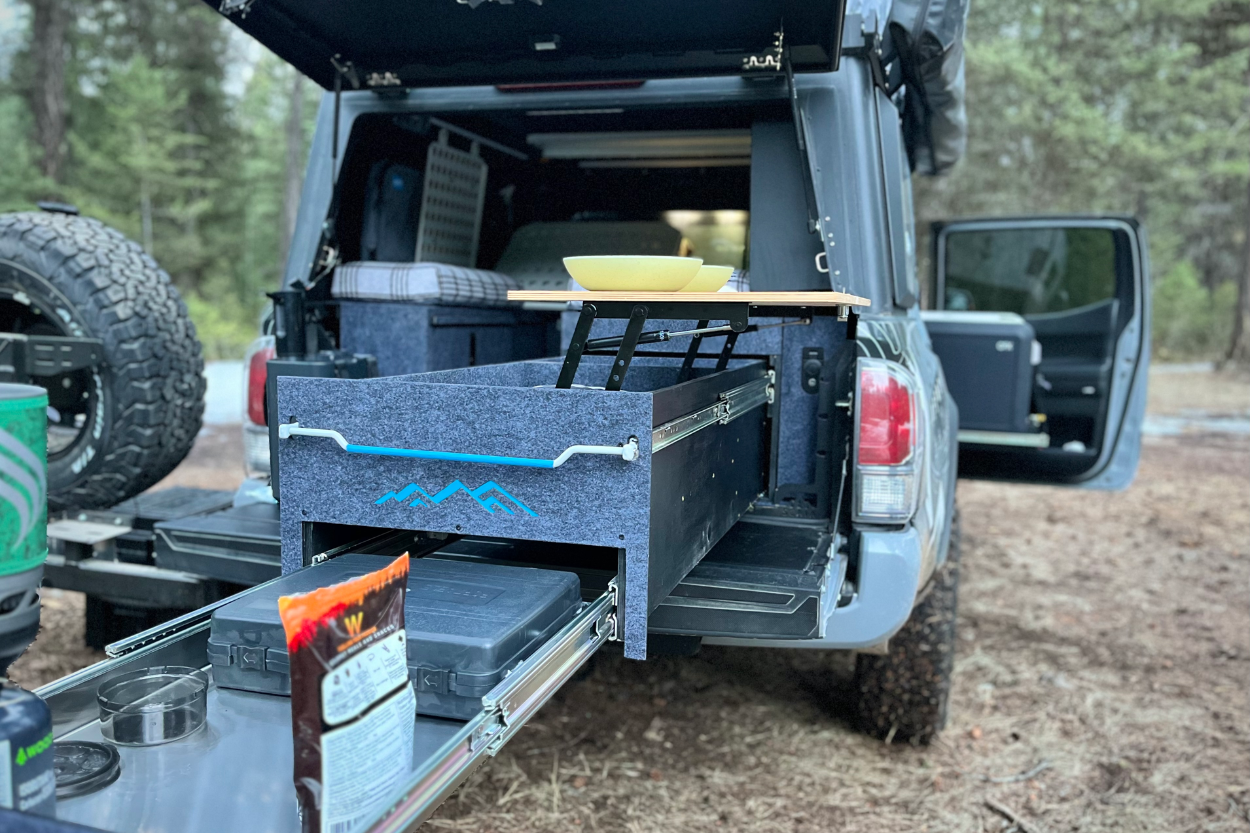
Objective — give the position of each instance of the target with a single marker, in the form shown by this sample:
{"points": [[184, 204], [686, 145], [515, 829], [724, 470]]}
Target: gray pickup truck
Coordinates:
{"points": [[773, 466]]}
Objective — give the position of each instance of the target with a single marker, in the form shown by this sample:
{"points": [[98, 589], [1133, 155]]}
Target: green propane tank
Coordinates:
{"points": [[23, 515]]}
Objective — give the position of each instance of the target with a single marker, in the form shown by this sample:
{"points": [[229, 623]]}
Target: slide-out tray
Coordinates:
{"points": [[236, 773], [755, 299]]}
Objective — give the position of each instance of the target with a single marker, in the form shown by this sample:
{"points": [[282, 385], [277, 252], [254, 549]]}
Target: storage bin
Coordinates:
{"points": [[241, 544], [467, 625]]}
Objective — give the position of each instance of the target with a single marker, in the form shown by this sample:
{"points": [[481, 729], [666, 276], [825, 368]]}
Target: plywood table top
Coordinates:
{"points": [[755, 299]]}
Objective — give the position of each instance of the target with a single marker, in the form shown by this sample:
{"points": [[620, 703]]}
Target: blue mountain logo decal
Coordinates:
{"points": [[490, 496]]}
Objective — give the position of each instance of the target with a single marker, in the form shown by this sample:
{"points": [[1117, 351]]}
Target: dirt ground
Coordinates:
{"points": [[1178, 389], [1101, 683]]}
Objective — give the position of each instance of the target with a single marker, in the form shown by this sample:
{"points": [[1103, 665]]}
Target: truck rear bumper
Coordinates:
{"points": [[889, 579]]}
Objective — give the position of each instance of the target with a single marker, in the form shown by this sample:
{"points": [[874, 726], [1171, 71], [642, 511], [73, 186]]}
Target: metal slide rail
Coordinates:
{"points": [[505, 710], [730, 405], [627, 451]]}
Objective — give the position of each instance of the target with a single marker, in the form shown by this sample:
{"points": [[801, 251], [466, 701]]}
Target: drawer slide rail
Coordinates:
{"points": [[505, 710]]}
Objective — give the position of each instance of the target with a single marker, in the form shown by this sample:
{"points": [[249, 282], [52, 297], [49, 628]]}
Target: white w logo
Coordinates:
{"points": [[28, 473]]}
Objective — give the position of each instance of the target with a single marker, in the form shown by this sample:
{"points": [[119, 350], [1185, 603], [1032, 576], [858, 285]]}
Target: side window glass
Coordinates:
{"points": [[1028, 270], [901, 215], [909, 228]]}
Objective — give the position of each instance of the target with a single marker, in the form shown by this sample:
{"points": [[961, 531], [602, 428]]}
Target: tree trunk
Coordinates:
{"points": [[1239, 346], [49, 102], [294, 167], [145, 214]]}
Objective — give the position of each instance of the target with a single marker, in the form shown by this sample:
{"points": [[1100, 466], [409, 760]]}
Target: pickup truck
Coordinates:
{"points": [[772, 466]]}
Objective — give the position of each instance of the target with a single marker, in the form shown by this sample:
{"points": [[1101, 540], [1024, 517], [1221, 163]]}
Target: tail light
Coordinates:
{"points": [[887, 442], [258, 356], [255, 432]]}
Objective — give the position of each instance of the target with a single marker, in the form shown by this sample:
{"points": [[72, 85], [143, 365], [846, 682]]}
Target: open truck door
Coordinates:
{"points": [[1043, 329]]}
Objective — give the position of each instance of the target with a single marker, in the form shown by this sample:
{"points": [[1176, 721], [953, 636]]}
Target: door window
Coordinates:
{"points": [[1029, 270]]}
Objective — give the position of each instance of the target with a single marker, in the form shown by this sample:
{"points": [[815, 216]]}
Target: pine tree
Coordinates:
{"points": [[137, 168], [1138, 108]]}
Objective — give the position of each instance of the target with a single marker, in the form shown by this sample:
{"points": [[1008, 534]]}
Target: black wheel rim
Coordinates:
{"points": [[29, 305]]}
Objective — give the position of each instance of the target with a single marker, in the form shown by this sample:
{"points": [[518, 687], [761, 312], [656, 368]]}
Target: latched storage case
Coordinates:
{"points": [[467, 624], [241, 544], [988, 358]]}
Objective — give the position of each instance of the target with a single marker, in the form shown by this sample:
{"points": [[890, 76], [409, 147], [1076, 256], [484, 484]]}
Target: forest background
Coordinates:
{"points": [[158, 118]]}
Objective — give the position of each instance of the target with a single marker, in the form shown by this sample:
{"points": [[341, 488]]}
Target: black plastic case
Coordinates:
{"points": [[242, 544], [987, 359], [151, 509], [468, 625]]}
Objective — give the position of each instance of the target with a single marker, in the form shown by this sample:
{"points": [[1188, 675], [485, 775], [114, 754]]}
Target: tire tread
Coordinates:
{"points": [[156, 364], [903, 695]]}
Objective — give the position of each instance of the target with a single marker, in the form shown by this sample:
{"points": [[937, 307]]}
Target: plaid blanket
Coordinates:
{"points": [[426, 283]]}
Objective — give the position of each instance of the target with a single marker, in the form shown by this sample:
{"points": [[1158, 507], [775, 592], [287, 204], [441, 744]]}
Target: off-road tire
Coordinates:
{"points": [[147, 399], [902, 696]]}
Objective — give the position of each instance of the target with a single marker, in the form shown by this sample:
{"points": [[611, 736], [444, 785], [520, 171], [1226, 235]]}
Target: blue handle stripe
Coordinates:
{"points": [[382, 451]]}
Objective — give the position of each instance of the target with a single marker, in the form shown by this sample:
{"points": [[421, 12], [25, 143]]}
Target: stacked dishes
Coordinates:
{"points": [[646, 273]]}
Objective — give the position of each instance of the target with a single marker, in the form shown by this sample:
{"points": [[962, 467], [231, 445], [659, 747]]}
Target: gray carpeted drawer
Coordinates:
{"points": [[469, 452]]}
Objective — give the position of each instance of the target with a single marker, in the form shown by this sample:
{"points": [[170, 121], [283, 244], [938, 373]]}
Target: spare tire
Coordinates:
{"points": [[117, 428]]}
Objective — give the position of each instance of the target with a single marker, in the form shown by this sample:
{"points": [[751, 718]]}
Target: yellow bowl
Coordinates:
{"points": [[709, 279], [632, 273]]}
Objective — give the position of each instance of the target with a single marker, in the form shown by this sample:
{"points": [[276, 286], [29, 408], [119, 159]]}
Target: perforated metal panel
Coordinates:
{"points": [[451, 205]]}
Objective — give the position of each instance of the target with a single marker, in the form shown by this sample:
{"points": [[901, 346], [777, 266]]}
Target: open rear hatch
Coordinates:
{"points": [[417, 43]]}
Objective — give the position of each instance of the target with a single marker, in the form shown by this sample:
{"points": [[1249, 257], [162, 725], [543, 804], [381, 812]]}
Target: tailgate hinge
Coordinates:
{"points": [[229, 7]]}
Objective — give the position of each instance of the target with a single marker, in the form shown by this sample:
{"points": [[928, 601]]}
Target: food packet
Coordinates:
{"points": [[352, 706]]}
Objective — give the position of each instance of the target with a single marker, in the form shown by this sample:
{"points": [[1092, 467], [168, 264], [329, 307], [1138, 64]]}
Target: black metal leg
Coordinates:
{"points": [[687, 364], [852, 325], [725, 352], [625, 354], [574, 356]]}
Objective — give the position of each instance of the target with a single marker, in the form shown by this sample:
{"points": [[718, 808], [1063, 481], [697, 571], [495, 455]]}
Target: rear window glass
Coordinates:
{"points": [[1029, 270], [719, 237]]}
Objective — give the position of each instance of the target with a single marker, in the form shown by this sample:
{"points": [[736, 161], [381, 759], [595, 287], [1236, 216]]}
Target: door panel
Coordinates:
{"points": [[1074, 376], [1084, 333], [1079, 282]]}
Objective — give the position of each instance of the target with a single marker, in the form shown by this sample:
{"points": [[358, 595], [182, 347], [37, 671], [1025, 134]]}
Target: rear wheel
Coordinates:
{"points": [[117, 428], [903, 695]]}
